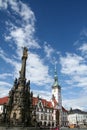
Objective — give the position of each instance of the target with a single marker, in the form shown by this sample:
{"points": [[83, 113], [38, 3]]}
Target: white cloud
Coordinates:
{"points": [[43, 94], [82, 81], [6, 58], [5, 75], [83, 48], [79, 103], [23, 29], [39, 73], [2, 83], [72, 64], [4, 92], [23, 35], [4, 88], [2, 52], [75, 67], [48, 50], [12, 62], [3, 4]]}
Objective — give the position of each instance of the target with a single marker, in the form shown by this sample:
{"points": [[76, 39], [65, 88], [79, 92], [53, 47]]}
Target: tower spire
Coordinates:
{"points": [[55, 84]]}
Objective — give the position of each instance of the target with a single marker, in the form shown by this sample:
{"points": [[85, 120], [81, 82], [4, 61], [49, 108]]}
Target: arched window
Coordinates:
{"points": [[14, 115]]}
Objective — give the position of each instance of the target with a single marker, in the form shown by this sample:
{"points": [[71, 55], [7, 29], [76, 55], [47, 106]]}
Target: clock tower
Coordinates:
{"points": [[56, 90], [56, 94]]}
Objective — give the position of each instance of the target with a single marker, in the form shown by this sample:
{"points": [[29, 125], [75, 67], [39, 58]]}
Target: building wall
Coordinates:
{"points": [[77, 119], [1, 109], [64, 118], [45, 115]]}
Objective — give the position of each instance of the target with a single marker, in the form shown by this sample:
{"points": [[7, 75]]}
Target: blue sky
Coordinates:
{"points": [[54, 32]]}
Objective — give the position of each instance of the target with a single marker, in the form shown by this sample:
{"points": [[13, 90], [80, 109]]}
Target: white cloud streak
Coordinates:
{"points": [[4, 88], [5, 75], [23, 35], [83, 49], [48, 50], [75, 67], [76, 103], [38, 70], [73, 64], [43, 94], [3, 4]]}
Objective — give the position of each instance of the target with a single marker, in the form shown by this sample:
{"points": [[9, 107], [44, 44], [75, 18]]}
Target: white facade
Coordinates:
{"points": [[45, 115], [64, 117], [1, 108], [78, 118]]}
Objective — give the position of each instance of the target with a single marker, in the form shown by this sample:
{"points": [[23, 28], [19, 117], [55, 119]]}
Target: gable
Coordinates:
{"points": [[40, 104]]}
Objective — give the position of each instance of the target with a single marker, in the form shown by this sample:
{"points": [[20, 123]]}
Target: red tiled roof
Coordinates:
{"points": [[35, 101], [3, 100], [49, 104], [46, 103], [63, 109]]}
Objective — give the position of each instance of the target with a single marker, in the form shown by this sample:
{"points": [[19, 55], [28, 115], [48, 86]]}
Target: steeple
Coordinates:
{"points": [[56, 93], [55, 84]]}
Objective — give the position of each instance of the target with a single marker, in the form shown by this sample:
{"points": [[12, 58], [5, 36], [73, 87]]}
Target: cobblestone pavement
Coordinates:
{"points": [[28, 128], [73, 129]]}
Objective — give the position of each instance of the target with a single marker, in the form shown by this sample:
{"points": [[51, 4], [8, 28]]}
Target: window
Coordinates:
{"points": [[1, 107], [50, 117], [42, 109], [45, 117], [41, 116], [37, 116], [50, 110], [14, 115], [47, 110]]}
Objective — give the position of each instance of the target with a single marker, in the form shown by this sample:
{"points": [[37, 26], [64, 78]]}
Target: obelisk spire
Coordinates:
{"points": [[23, 67]]}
